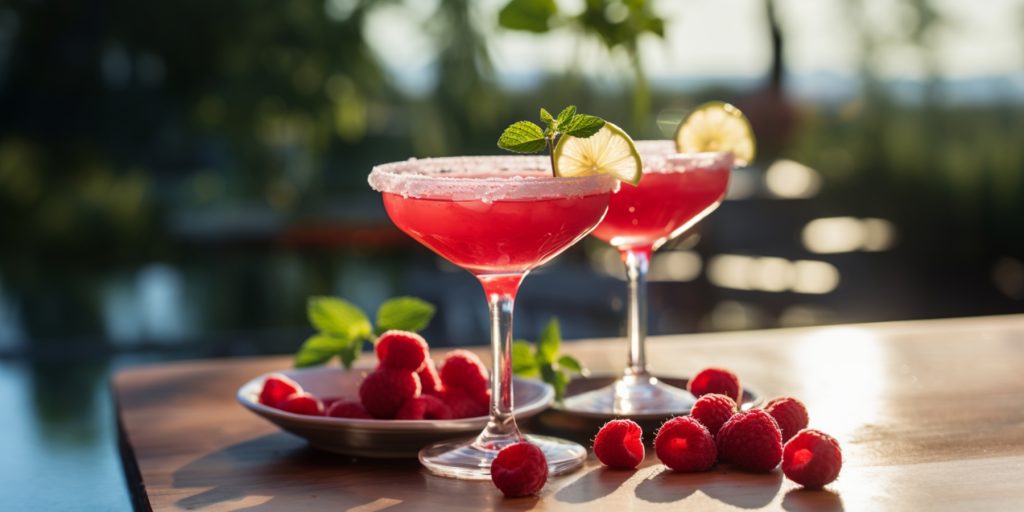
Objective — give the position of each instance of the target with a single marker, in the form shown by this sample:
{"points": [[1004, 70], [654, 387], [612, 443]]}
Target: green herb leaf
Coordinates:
{"points": [[560, 382], [557, 378], [351, 352], [546, 116], [570, 363], [523, 361], [319, 349], [566, 114], [549, 341], [338, 317], [404, 313], [529, 15], [523, 137], [582, 126]]}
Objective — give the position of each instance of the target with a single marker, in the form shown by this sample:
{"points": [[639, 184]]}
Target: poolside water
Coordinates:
{"points": [[59, 438]]}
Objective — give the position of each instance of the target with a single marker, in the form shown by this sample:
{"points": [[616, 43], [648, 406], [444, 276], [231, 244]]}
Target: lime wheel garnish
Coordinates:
{"points": [[717, 126], [609, 151]]}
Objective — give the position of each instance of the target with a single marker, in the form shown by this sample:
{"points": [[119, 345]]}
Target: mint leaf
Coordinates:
{"points": [[546, 116], [529, 15], [337, 317], [560, 381], [523, 137], [351, 352], [582, 126], [570, 363], [547, 344], [565, 115], [404, 313], [319, 349], [523, 361], [527, 137], [556, 378]]}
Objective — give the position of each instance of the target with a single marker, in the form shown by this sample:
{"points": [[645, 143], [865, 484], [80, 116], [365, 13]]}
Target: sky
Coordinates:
{"points": [[729, 39]]}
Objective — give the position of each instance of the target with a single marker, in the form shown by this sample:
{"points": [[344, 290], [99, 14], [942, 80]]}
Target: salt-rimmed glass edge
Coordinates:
{"points": [[660, 156], [439, 178]]}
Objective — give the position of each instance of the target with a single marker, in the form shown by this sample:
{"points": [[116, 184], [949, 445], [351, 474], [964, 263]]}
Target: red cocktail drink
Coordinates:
{"points": [[498, 218], [497, 237], [675, 192], [662, 206]]}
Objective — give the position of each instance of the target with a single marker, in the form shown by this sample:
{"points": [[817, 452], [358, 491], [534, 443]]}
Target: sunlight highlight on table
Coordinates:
{"points": [[843, 374]]}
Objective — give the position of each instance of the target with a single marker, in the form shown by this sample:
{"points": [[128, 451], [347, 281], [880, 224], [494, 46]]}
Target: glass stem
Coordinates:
{"points": [[636, 261], [501, 294]]}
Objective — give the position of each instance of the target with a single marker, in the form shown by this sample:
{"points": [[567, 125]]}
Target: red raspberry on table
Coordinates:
{"points": [[713, 410], [347, 409], [683, 444], [619, 444], [519, 470], [424, 407], [302, 403], [429, 379], [384, 391], [812, 458], [402, 350], [462, 405], [463, 370], [276, 388], [789, 413], [716, 380], [750, 441]]}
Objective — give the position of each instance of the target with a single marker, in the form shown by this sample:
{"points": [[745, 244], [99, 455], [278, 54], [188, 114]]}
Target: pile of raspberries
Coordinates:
{"points": [[715, 431], [405, 386]]}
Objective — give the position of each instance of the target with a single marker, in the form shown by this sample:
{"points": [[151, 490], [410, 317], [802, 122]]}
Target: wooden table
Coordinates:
{"points": [[930, 415]]}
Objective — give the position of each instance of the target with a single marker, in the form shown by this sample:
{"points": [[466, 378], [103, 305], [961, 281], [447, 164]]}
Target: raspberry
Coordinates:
{"points": [[683, 444], [276, 388], [429, 379], [789, 413], [716, 380], [347, 409], [519, 470], [384, 391], [751, 441], [713, 410], [402, 350], [462, 405], [812, 458], [328, 401], [463, 370], [302, 403], [425, 407], [619, 444]]}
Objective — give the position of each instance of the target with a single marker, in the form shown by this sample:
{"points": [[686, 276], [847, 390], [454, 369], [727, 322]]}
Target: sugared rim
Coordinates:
{"points": [[459, 178], [660, 156]]}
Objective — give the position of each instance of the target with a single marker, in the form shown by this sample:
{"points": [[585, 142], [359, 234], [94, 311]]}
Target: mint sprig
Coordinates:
{"points": [[342, 327], [544, 360], [528, 137]]}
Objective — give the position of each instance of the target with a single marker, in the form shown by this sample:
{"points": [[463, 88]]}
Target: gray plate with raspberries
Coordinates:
{"points": [[559, 420], [376, 438]]}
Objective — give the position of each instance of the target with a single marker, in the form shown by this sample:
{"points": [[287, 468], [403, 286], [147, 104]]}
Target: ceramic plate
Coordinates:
{"points": [[376, 438]]}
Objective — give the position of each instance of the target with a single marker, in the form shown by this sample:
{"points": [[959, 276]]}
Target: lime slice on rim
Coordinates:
{"points": [[717, 126], [609, 151]]}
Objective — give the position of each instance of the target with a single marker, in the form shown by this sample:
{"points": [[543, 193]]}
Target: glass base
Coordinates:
{"points": [[632, 395], [466, 459]]}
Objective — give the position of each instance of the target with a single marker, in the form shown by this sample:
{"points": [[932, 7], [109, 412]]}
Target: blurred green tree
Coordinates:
{"points": [[618, 24]]}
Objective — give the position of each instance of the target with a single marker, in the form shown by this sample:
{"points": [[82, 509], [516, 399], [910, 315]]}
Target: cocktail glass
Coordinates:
{"points": [[497, 217], [676, 191]]}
